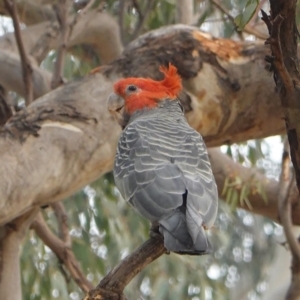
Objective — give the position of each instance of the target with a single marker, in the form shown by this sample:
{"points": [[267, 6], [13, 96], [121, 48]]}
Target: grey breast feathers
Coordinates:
{"points": [[157, 161]]}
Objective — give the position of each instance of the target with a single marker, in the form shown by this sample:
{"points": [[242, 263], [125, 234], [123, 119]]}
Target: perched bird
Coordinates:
{"points": [[161, 167]]}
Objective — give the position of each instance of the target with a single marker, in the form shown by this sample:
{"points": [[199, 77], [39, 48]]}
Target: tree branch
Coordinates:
{"points": [[184, 11], [284, 205], [248, 29], [121, 10], [142, 16], [5, 110], [283, 43], [97, 29], [31, 12], [113, 284], [62, 15], [11, 78], [26, 65], [72, 126], [62, 251], [11, 237], [62, 219], [263, 203]]}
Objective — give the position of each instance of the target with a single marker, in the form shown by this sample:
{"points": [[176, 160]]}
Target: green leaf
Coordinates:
{"points": [[228, 195], [242, 19], [225, 186], [234, 199]]}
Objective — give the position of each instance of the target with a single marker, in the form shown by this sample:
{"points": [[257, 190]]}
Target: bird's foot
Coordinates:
{"points": [[154, 230], [154, 233]]}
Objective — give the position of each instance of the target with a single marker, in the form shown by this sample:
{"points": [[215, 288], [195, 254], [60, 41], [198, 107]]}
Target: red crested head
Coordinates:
{"points": [[139, 93]]}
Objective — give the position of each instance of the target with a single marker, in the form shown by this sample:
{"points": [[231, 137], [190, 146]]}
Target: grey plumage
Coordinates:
{"points": [[163, 170]]}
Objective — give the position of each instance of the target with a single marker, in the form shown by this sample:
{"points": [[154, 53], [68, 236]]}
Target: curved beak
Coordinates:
{"points": [[115, 105]]}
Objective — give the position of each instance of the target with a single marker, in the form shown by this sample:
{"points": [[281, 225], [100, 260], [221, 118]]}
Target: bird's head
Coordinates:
{"points": [[132, 94]]}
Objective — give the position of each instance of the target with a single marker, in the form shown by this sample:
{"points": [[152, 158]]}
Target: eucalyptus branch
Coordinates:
{"points": [[82, 12], [62, 14], [5, 110], [142, 17], [281, 24], [62, 220], [26, 65], [62, 251], [113, 284], [283, 43], [121, 12]]}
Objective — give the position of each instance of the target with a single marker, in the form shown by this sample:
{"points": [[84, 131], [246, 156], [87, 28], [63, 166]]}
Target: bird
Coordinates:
{"points": [[161, 166]]}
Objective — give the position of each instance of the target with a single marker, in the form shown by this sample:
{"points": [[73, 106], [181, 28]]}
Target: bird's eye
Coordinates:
{"points": [[131, 88]]}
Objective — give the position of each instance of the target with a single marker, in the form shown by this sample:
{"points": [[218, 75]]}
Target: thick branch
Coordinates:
{"points": [[62, 251], [11, 236], [31, 12], [283, 43], [226, 101], [263, 203], [11, 76], [94, 28]]}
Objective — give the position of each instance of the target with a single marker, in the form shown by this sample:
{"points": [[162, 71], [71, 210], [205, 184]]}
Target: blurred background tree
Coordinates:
{"points": [[103, 228]]}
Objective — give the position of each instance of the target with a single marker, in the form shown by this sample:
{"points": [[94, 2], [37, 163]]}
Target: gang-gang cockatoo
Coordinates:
{"points": [[161, 167]]}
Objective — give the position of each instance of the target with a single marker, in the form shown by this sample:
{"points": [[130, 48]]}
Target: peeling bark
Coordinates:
{"points": [[232, 93], [228, 90]]}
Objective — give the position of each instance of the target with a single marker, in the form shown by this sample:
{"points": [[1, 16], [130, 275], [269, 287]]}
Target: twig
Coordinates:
{"points": [[142, 16], [138, 8], [26, 66], [62, 14], [246, 29], [81, 4], [113, 284], [274, 42], [62, 220], [44, 44], [121, 19], [62, 251], [82, 12]]}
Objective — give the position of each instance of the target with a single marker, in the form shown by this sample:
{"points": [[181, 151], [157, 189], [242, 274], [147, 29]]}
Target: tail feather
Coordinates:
{"points": [[178, 239]]}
